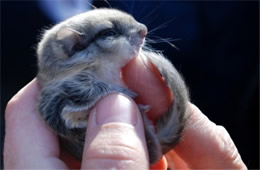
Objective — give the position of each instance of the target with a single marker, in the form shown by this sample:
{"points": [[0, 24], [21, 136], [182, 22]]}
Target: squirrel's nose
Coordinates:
{"points": [[142, 31]]}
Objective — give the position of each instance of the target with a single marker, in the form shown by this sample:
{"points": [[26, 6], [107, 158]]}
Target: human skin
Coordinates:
{"points": [[30, 143]]}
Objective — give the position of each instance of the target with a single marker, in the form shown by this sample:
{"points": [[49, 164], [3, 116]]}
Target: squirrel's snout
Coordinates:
{"points": [[142, 31]]}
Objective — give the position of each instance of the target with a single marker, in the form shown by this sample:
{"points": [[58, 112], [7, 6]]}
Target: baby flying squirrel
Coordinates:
{"points": [[80, 60]]}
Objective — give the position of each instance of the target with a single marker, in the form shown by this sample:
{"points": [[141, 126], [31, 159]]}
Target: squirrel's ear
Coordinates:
{"points": [[71, 40]]}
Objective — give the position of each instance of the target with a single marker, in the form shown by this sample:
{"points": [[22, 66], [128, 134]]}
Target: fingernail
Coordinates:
{"points": [[116, 108]]}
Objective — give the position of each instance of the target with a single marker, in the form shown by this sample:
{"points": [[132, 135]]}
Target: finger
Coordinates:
{"points": [[115, 136], [142, 77], [29, 143], [205, 145]]}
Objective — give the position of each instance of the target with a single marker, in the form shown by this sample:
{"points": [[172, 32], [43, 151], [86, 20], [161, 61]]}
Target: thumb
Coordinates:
{"points": [[115, 136]]}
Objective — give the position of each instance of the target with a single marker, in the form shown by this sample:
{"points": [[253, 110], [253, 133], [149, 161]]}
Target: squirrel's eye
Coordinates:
{"points": [[108, 33]]}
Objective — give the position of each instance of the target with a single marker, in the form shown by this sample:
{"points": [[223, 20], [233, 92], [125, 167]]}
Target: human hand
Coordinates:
{"points": [[30, 143]]}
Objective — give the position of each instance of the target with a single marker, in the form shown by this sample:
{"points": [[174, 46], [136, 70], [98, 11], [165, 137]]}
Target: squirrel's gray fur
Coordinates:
{"points": [[79, 61]]}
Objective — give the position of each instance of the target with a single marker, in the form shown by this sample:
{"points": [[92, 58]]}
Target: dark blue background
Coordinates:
{"points": [[218, 56]]}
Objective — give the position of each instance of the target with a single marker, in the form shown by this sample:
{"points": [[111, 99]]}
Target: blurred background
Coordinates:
{"points": [[218, 54]]}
